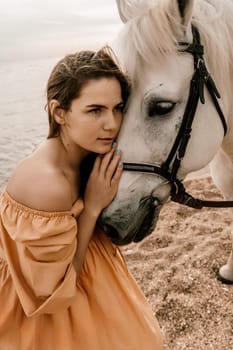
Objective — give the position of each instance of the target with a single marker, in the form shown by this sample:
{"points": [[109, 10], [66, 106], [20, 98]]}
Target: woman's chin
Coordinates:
{"points": [[103, 149]]}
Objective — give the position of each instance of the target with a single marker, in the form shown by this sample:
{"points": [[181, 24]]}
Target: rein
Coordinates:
{"points": [[170, 167]]}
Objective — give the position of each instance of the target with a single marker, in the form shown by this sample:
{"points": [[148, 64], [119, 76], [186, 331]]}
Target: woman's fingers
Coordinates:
{"points": [[97, 164], [106, 160], [117, 174], [113, 165], [108, 168], [104, 180]]}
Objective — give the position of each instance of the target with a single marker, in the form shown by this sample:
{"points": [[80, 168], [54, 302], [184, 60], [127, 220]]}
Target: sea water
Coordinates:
{"points": [[23, 119]]}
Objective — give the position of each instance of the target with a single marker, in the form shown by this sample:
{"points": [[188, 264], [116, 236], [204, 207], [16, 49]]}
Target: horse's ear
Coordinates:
{"points": [[185, 9], [124, 10], [130, 8]]}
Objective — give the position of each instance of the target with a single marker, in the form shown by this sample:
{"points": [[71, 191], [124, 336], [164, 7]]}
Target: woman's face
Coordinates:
{"points": [[95, 117]]}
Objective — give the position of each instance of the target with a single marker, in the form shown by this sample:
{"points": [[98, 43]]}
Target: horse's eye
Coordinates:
{"points": [[155, 108]]}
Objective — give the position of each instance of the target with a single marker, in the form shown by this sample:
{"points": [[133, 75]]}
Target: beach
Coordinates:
{"points": [[177, 265]]}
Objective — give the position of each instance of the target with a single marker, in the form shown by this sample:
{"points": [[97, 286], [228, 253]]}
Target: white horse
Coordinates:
{"points": [[153, 48]]}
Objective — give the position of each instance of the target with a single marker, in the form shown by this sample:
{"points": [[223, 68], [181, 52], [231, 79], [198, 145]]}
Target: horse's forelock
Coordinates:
{"points": [[150, 36]]}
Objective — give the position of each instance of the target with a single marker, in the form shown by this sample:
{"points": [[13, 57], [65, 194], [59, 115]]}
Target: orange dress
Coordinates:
{"points": [[44, 307]]}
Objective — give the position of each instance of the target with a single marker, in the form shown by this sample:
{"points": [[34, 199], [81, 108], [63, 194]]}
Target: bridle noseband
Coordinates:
{"points": [[169, 168]]}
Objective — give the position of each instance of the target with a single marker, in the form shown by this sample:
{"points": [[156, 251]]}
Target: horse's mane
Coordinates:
{"points": [[152, 34]]}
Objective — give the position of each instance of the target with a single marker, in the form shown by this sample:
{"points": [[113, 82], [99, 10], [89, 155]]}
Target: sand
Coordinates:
{"points": [[176, 267]]}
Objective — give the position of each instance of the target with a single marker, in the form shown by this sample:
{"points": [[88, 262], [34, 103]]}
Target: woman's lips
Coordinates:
{"points": [[106, 140]]}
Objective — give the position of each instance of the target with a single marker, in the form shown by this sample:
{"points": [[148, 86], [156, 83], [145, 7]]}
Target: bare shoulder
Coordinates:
{"points": [[40, 187]]}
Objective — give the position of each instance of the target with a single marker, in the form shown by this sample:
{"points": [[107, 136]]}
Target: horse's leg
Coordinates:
{"points": [[222, 172]]}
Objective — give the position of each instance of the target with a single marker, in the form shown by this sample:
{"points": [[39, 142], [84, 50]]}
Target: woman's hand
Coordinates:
{"points": [[100, 190], [103, 182]]}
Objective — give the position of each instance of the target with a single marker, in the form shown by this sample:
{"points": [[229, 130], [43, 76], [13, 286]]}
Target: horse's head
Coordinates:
{"points": [[151, 49]]}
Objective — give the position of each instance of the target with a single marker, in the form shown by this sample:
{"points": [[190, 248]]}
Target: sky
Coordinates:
{"points": [[45, 28]]}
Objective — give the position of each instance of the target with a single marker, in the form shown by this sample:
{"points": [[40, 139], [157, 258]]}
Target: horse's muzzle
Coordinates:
{"points": [[140, 224]]}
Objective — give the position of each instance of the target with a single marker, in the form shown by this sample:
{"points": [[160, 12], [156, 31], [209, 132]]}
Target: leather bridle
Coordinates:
{"points": [[169, 168]]}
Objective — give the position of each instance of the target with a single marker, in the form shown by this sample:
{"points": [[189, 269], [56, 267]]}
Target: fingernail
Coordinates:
{"points": [[120, 164], [117, 152], [114, 144]]}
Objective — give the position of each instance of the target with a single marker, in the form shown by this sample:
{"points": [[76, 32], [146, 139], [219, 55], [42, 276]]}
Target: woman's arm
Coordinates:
{"points": [[100, 190]]}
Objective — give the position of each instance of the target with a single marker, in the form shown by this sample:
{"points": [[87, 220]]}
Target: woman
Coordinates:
{"points": [[64, 285]]}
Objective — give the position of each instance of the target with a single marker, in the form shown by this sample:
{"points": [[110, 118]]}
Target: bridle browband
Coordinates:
{"points": [[170, 167]]}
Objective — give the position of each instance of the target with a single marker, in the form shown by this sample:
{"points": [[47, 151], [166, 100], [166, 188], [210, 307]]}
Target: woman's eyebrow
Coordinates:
{"points": [[96, 105]]}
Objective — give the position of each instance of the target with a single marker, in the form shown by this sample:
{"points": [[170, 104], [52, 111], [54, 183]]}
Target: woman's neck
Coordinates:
{"points": [[72, 153]]}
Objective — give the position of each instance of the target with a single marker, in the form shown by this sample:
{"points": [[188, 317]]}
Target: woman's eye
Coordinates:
{"points": [[156, 108], [94, 111]]}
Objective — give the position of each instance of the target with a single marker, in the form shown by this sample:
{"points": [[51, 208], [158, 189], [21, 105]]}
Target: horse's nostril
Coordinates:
{"points": [[148, 202], [110, 231]]}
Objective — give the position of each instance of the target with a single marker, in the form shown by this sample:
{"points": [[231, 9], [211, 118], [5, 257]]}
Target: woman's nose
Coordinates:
{"points": [[111, 121]]}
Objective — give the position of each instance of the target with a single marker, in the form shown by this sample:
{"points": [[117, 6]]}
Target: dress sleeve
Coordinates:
{"points": [[39, 248]]}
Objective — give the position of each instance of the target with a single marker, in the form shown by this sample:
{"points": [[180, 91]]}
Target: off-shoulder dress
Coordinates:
{"points": [[43, 306]]}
